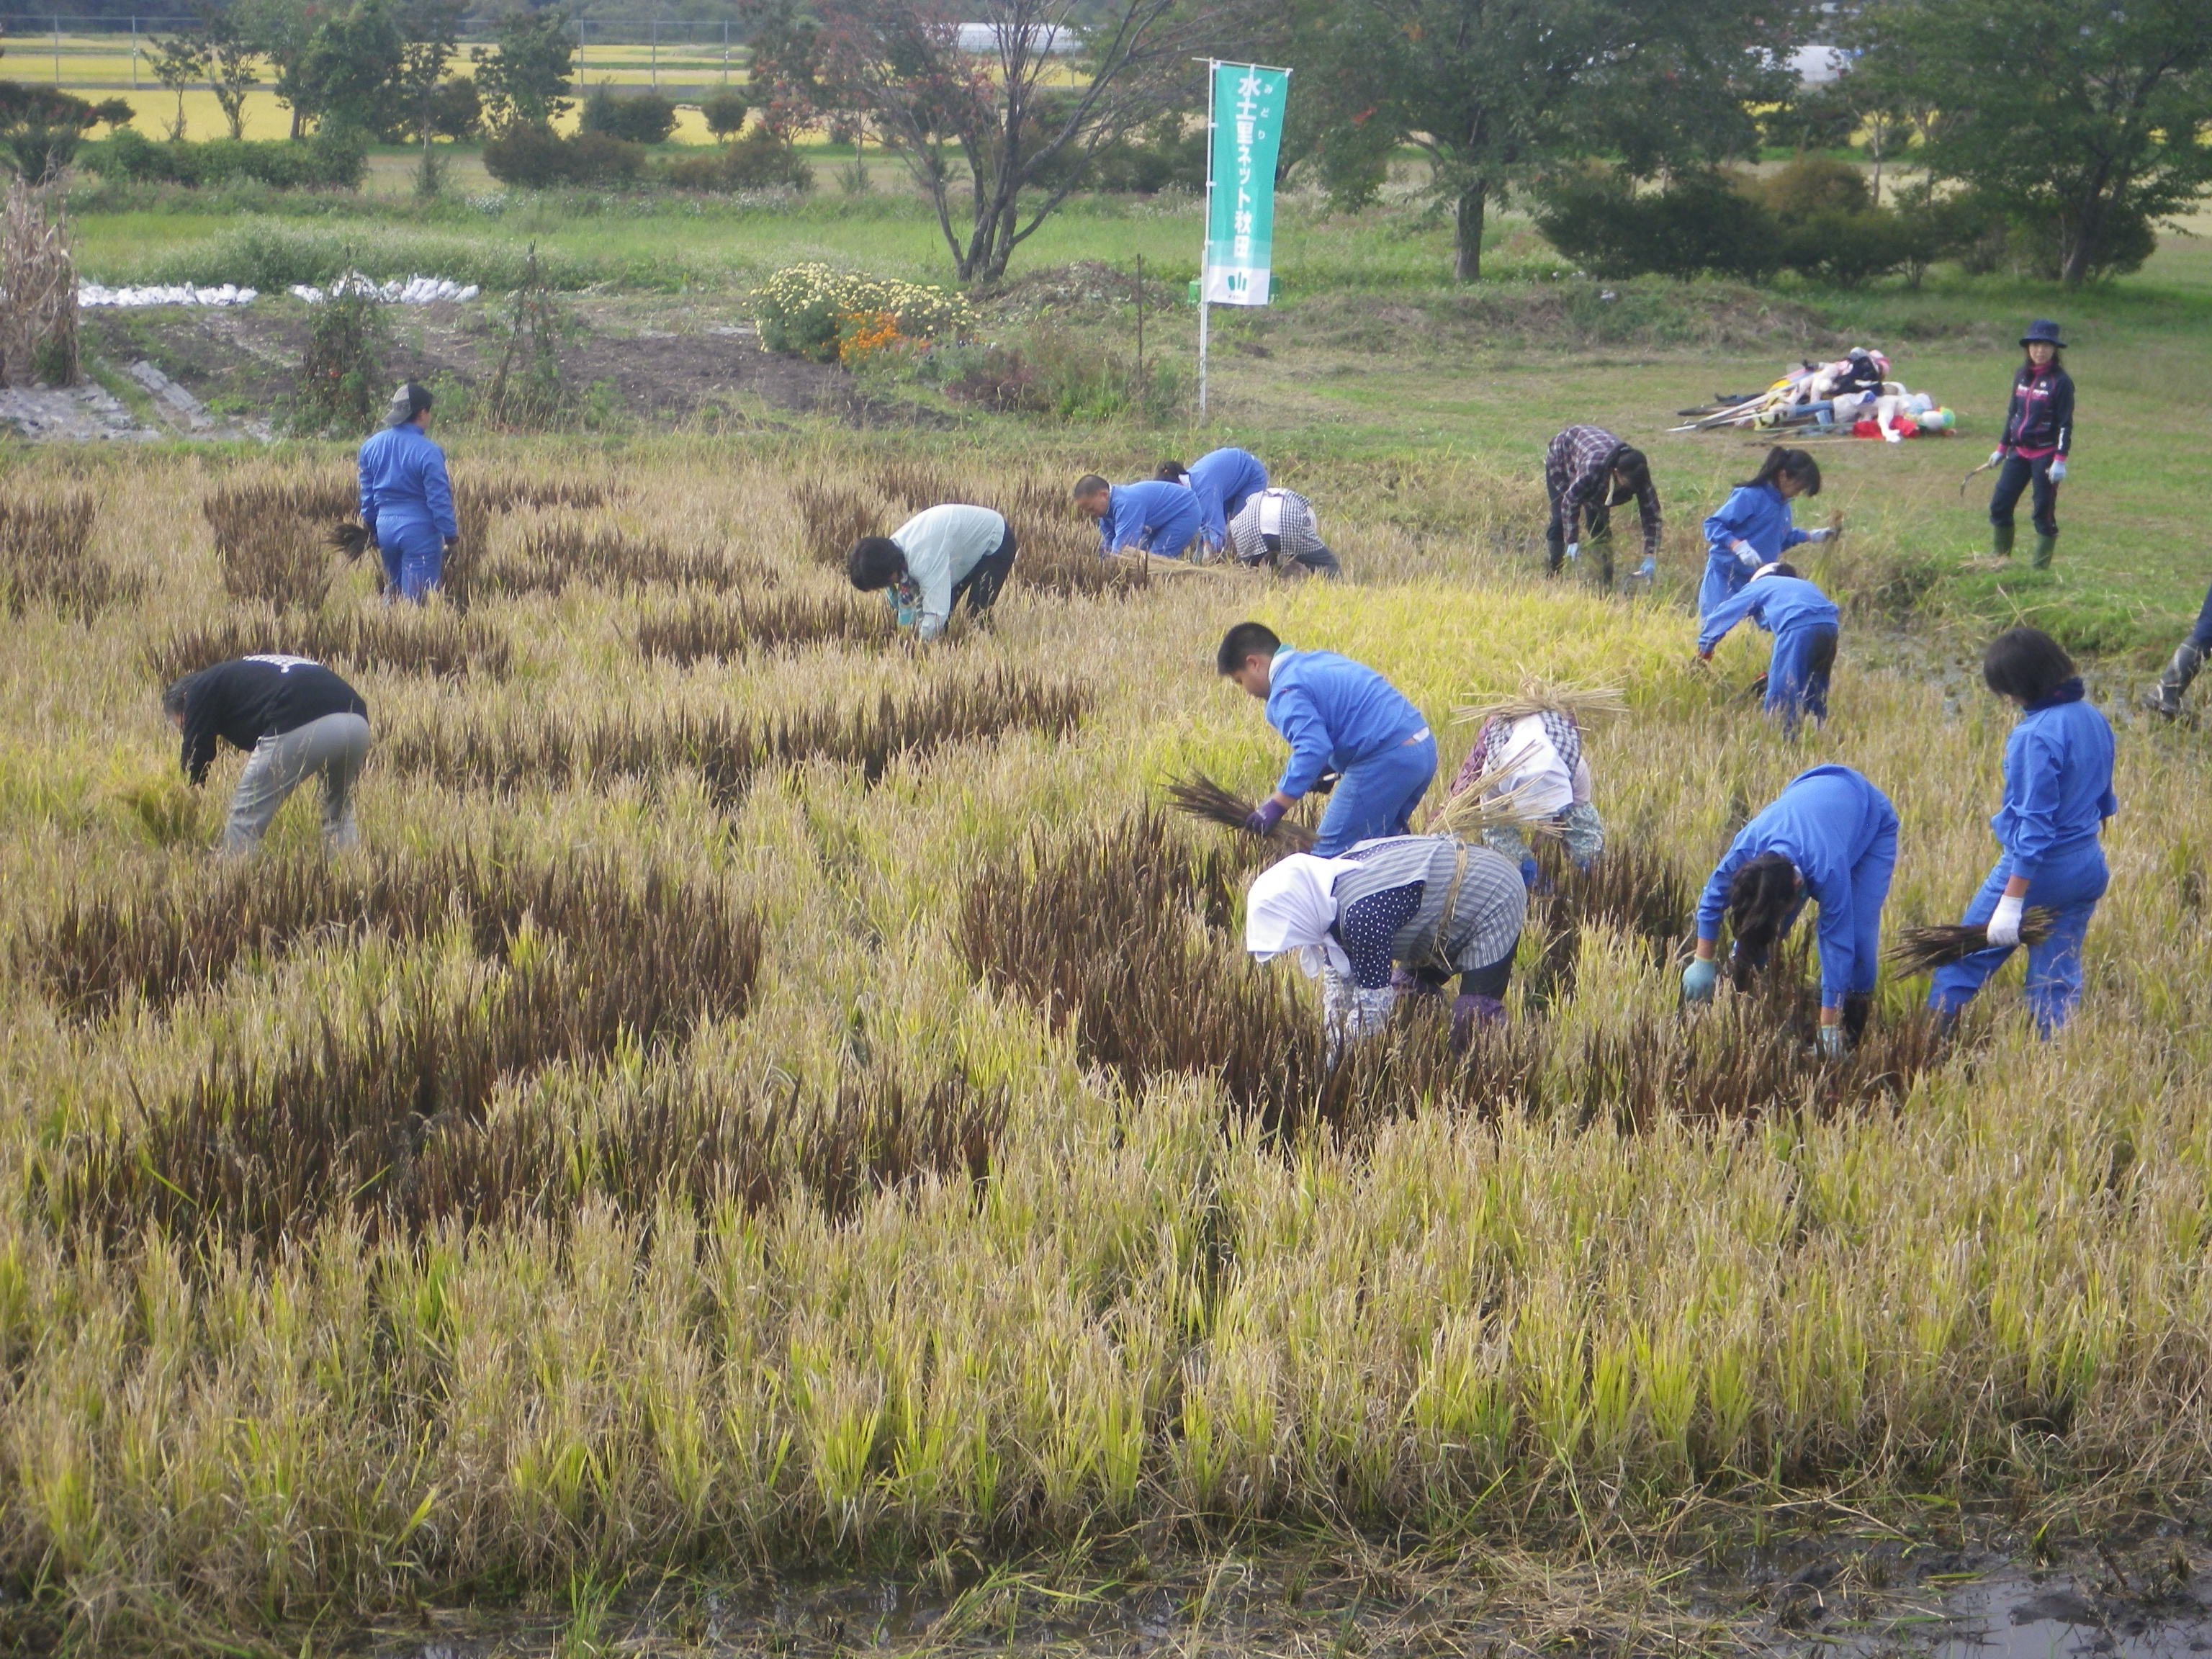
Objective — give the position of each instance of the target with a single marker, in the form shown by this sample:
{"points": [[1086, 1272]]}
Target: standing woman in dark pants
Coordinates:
{"points": [[2039, 432]]}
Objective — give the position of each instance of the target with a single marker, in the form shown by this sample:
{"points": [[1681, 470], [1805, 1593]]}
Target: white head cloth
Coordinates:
{"points": [[1291, 907]]}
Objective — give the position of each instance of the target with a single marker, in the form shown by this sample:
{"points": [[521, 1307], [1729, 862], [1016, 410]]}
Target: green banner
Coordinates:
{"points": [[1247, 127]]}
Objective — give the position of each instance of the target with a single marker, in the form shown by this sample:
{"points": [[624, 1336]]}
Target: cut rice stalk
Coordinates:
{"points": [[1153, 564], [1924, 949], [349, 538], [1580, 703], [1202, 797], [1495, 800]]}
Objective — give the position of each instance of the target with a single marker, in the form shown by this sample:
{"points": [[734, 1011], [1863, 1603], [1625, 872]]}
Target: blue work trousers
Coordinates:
{"points": [[414, 559], [1797, 673], [2069, 885], [2201, 635], [1377, 796], [2017, 473], [1725, 576]]}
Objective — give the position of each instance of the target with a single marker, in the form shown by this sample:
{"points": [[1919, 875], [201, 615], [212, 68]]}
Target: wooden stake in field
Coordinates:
{"points": [[37, 292]]}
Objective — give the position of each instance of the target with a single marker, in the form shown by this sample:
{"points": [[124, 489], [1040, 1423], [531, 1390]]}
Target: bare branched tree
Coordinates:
{"points": [[997, 96]]}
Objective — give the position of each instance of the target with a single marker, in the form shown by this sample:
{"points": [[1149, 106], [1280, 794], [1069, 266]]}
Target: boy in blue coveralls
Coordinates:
{"points": [[1222, 480], [1151, 516], [1804, 621], [1753, 526], [2058, 794], [1830, 836], [1337, 715], [406, 499]]}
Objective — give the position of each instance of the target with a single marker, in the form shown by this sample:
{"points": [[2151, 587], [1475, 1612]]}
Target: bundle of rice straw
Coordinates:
{"points": [[1153, 564], [1202, 797], [1924, 949], [1582, 703], [1494, 800], [349, 538]]}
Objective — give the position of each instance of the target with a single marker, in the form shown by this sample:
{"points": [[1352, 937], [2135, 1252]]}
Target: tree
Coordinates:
{"points": [[281, 31], [178, 62], [902, 65], [231, 54], [2084, 119], [724, 114], [524, 79], [1498, 93], [41, 126], [427, 32], [352, 65]]}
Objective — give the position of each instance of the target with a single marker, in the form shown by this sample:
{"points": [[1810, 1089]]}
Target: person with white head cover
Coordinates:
{"points": [[1432, 904]]}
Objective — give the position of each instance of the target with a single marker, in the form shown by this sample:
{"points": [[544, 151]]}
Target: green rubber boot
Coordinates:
{"points": [[2001, 540], [2045, 547]]}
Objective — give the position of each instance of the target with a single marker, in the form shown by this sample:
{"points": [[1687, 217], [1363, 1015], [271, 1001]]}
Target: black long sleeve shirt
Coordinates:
{"points": [[2041, 417], [250, 698]]}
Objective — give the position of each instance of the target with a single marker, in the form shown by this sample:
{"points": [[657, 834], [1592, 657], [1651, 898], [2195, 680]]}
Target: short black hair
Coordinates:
{"points": [[1171, 472], [1761, 896], [1246, 640], [1089, 484], [2026, 663], [875, 563], [1782, 568], [1631, 463], [179, 694]]}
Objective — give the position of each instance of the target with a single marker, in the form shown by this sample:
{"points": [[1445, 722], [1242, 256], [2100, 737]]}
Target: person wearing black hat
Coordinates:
{"points": [[2039, 432], [406, 499]]}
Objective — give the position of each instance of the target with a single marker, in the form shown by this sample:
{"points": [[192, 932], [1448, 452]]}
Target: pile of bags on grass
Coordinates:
{"points": [[1853, 397]]}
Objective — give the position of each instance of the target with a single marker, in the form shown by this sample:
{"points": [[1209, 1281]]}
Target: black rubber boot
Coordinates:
{"points": [[2164, 698], [2000, 537], [1857, 1007], [2045, 547]]}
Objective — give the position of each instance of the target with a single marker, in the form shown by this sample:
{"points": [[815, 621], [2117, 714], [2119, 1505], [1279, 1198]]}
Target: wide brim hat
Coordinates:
{"points": [[2045, 332]]}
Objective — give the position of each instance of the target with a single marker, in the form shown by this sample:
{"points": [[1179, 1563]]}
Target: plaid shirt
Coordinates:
{"points": [[1299, 533], [1578, 474]]}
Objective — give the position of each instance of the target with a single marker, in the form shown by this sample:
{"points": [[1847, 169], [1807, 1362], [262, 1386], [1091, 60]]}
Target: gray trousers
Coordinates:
{"points": [[332, 748]]}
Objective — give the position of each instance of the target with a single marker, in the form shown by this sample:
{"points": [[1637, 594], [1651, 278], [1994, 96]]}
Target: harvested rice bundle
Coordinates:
{"points": [[1580, 703], [1202, 797], [350, 537], [1924, 949], [1496, 799]]}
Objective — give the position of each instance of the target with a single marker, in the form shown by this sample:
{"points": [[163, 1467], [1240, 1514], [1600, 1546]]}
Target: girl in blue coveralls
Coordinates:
{"points": [[1831, 836], [1222, 480], [1338, 716], [1753, 526], [2058, 794], [1804, 621], [406, 499]]}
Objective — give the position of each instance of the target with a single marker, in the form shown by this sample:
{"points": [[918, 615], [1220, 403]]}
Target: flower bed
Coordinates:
{"points": [[804, 309]]}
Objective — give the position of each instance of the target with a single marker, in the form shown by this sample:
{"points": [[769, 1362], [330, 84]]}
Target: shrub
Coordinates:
{"points": [[725, 113], [759, 160], [642, 117], [1809, 186], [334, 159], [1161, 157], [536, 158], [341, 375], [1701, 223], [601, 158], [801, 308]]}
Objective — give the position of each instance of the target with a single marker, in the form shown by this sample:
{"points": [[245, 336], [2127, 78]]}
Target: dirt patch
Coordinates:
{"points": [[247, 361]]}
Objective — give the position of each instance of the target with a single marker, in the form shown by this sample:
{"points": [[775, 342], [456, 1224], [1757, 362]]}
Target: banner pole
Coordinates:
{"points": [[1205, 237]]}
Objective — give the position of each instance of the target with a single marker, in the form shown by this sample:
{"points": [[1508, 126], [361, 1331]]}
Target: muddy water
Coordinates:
{"points": [[2013, 1614]]}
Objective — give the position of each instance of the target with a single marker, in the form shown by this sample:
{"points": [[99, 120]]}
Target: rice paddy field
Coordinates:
{"points": [[766, 1103]]}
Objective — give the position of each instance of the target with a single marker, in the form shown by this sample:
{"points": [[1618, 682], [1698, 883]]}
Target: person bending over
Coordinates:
{"points": [[1337, 715], [406, 499], [1150, 516], [1804, 622], [1549, 774], [1277, 528], [2058, 797], [1830, 836], [294, 718], [1753, 526], [1431, 905], [931, 562], [1588, 472], [1222, 480]]}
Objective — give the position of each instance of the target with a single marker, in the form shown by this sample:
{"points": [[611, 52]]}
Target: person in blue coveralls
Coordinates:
{"points": [[1151, 516], [1338, 716], [1753, 526], [1804, 621], [1830, 836], [406, 499], [2058, 794], [1222, 480]]}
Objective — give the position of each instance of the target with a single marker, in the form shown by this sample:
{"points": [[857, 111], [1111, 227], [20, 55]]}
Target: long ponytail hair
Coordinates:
{"points": [[1760, 898], [1793, 464]]}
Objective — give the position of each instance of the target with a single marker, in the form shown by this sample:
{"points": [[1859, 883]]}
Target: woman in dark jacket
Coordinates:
{"points": [[2039, 432]]}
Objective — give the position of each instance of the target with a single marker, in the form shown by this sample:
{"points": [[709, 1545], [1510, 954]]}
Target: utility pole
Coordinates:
{"points": [[134, 54], [656, 54], [726, 51]]}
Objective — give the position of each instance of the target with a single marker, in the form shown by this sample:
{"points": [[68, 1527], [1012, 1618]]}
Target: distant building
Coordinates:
{"points": [[984, 36], [1816, 66]]}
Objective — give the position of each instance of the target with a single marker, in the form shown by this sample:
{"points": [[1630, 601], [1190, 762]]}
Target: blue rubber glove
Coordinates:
{"points": [[1530, 874], [1265, 817], [1833, 1043], [1698, 980], [1648, 569], [2058, 470]]}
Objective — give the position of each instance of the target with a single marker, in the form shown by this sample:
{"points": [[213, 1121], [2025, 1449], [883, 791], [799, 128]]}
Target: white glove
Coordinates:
{"points": [[2004, 924], [1824, 533], [1574, 549], [2057, 471], [1997, 458], [1744, 553]]}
